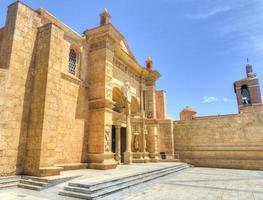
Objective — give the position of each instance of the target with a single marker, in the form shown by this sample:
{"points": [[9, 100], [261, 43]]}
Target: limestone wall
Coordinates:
{"points": [[3, 74], [19, 35], [63, 126], [230, 141], [1, 46], [57, 125], [160, 104], [40, 97], [165, 137]]}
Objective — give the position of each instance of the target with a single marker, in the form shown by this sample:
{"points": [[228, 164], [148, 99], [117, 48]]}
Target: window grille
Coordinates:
{"points": [[72, 61]]}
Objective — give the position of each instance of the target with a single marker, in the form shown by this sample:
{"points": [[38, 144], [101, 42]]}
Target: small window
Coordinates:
{"points": [[245, 95], [72, 61]]}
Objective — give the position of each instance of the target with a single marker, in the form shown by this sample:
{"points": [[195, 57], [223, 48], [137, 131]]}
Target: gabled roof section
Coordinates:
{"points": [[117, 36], [46, 15]]}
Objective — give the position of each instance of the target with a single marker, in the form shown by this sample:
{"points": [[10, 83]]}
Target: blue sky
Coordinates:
{"points": [[199, 46]]}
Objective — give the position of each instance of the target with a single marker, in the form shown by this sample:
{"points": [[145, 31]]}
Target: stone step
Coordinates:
{"points": [[38, 183], [83, 191], [121, 183], [33, 178], [131, 184], [30, 187], [9, 177], [34, 183], [4, 182], [8, 185], [9, 181], [121, 180], [103, 182]]}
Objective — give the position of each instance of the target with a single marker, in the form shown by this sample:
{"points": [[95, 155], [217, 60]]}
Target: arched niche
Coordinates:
{"points": [[119, 100], [245, 95], [135, 106]]}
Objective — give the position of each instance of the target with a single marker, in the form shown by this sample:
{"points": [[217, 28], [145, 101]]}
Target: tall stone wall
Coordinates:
{"points": [[1, 46], [160, 104], [19, 35], [165, 137], [42, 107], [231, 141], [63, 125]]}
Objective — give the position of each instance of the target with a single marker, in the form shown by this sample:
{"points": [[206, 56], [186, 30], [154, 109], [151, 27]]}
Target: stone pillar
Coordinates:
{"points": [[128, 153], [118, 145], [153, 141], [100, 71], [144, 142]]}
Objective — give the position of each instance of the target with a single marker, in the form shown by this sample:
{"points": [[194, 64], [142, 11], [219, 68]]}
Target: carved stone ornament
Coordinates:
{"points": [[107, 138], [126, 89], [149, 114], [136, 142]]}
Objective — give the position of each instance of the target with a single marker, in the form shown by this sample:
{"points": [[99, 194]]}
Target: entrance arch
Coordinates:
{"points": [[119, 128]]}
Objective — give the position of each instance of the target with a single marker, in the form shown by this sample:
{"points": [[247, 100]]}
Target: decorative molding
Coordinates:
{"points": [[70, 77], [131, 73]]}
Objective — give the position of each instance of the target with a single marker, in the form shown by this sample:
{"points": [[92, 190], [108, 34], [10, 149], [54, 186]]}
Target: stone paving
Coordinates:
{"points": [[190, 184], [205, 184]]}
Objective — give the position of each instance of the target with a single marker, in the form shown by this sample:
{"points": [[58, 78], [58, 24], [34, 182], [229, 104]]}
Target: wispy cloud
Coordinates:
{"points": [[209, 13], [211, 99], [243, 29]]}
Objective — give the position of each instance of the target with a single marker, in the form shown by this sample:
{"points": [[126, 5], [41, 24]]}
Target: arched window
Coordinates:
{"points": [[72, 61], [245, 95]]}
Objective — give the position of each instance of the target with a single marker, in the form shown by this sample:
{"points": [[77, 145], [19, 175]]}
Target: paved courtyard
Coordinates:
{"points": [[191, 184]]}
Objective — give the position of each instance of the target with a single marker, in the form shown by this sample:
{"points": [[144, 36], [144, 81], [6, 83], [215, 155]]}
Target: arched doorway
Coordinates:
{"points": [[119, 131]]}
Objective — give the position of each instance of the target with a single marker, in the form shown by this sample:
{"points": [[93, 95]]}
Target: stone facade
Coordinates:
{"points": [[71, 101]]}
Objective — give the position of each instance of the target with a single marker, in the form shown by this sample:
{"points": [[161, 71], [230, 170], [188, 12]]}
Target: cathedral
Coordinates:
{"points": [[70, 101]]}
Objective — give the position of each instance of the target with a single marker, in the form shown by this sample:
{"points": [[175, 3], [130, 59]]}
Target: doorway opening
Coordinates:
{"points": [[123, 143], [113, 140]]}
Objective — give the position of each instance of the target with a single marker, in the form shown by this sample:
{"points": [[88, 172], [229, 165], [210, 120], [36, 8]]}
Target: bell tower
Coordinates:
{"points": [[105, 18], [248, 90]]}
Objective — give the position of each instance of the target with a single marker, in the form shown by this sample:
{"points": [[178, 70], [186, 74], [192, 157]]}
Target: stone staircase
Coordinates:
{"points": [[38, 183], [103, 188], [33, 183], [9, 181]]}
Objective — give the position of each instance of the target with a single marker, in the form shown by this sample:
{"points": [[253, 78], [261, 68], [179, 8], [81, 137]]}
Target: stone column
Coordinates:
{"points": [[118, 145], [128, 153], [153, 140], [144, 141]]}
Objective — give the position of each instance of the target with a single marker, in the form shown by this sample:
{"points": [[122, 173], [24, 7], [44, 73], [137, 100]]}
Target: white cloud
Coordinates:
{"points": [[225, 100], [211, 99], [209, 13]]}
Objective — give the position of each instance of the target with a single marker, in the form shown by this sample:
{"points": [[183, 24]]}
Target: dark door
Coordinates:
{"points": [[123, 143], [113, 139]]}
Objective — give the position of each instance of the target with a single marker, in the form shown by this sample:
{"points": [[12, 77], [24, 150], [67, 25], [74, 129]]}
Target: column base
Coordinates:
{"points": [[102, 166], [154, 157], [102, 161], [49, 171], [127, 157]]}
